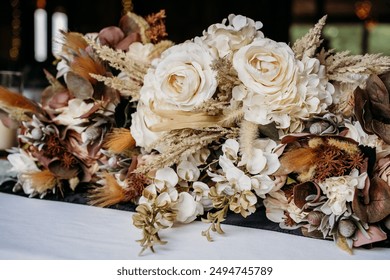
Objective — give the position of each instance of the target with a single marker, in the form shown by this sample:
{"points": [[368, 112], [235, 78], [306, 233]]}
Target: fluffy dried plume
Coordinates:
{"points": [[227, 78], [307, 45], [343, 67], [157, 30], [119, 140]]}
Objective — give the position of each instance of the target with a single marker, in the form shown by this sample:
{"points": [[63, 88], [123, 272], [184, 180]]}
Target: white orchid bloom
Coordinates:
{"points": [[188, 171], [261, 160], [165, 178], [201, 194], [187, 208], [230, 149]]}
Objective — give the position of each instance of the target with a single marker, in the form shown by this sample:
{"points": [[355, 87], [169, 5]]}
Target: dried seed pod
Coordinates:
{"points": [[319, 127], [314, 218], [347, 228]]}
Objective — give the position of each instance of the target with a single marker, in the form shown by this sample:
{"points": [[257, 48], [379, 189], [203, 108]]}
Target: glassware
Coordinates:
{"points": [[13, 81]]}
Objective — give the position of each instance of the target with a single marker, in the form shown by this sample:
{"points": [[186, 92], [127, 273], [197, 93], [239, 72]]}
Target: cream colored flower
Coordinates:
{"points": [[262, 184], [142, 120], [356, 132], [278, 88], [243, 203], [188, 171], [201, 194], [269, 73], [187, 208], [282, 211], [340, 190], [181, 80], [235, 179], [261, 160], [226, 38], [230, 149], [314, 87], [165, 178], [70, 115]]}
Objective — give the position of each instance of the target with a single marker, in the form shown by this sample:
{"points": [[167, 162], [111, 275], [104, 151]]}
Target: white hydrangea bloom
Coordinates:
{"points": [[227, 37], [340, 190]]}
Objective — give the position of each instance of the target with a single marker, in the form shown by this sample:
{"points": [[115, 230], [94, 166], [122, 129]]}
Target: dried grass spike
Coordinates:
{"points": [[307, 45]]}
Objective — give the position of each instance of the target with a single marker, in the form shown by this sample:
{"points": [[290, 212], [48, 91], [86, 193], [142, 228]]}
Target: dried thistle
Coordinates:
{"points": [[112, 192], [157, 30], [308, 44], [41, 181]]}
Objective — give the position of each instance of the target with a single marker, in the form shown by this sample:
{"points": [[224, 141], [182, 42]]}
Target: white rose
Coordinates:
{"points": [[226, 39], [180, 80], [183, 78], [269, 73]]}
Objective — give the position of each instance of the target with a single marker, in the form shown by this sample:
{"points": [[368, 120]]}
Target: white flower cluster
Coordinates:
{"points": [[275, 86], [166, 182], [340, 190], [231, 180]]}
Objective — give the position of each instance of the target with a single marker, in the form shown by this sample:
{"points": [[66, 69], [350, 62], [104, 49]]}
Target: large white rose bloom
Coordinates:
{"points": [[180, 80], [278, 88]]}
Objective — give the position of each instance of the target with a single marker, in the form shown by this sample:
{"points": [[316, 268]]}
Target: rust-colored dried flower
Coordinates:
{"points": [[157, 30], [317, 158]]}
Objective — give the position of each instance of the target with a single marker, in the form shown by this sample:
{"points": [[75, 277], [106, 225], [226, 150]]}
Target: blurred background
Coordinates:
{"points": [[28, 27]]}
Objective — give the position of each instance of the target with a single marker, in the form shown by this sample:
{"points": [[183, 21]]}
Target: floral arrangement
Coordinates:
{"points": [[228, 121]]}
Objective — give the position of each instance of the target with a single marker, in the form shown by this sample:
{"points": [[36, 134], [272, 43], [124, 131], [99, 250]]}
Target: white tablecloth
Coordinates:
{"points": [[41, 229]]}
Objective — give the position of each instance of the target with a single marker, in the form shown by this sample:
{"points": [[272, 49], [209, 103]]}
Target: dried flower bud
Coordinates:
{"points": [[346, 228]]}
